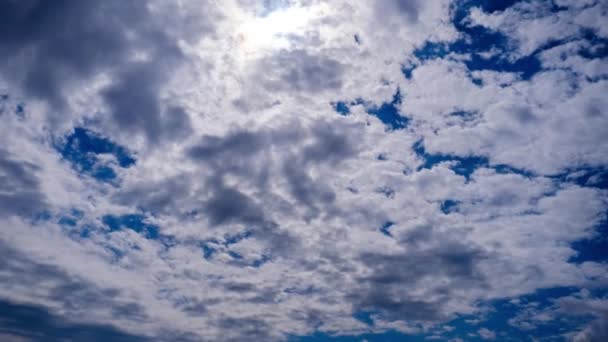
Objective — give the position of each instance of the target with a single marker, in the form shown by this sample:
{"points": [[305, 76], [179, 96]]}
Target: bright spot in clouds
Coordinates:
{"points": [[259, 34]]}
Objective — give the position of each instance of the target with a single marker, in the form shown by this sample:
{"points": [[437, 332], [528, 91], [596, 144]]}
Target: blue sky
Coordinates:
{"points": [[304, 171]]}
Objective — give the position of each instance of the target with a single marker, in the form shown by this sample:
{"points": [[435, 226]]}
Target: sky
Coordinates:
{"points": [[304, 170]]}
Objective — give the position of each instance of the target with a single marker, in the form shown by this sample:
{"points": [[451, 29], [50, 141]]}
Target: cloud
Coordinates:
{"points": [[75, 297], [52, 49], [34, 323], [163, 177], [487, 334], [20, 190]]}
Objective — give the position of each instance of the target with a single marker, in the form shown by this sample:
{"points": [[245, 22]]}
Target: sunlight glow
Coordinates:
{"points": [[257, 34]]}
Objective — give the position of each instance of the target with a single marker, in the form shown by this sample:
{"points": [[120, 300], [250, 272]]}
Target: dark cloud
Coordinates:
{"points": [[75, 297], [228, 205], [409, 9], [331, 144], [20, 192], [36, 323], [222, 150], [50, 47], [289, 152], [391, 277], [313, 194], [299, 71], [255, 329], [159, 197], [597, 330]]}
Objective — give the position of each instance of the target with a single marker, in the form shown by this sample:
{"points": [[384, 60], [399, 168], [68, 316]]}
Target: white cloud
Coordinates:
{"points": [[270, 205]]}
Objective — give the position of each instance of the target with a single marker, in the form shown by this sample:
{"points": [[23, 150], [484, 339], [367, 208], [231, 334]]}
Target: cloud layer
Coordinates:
{"points": [[186, 172]]}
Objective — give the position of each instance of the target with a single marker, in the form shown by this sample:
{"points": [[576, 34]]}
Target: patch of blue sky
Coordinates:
{"points": [[465, 165], [236, 238], [85, 232], [71, 218], [42, 216], [490, 6], [503, 168], [135, 222], [6, 105], [20, 110], [365, 317], [501, 314], [478, 43], [598, 46], [260, 261], [498, 316], [593, 177], [208, 251], [407, 70], [83, 148], [388, 113], [481, 41], [341, 107], [386, 228], [449, 206], [235, 255], [241, 261], [465, 115], [594, 248]]}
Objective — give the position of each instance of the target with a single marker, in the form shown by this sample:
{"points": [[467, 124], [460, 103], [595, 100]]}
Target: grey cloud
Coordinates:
{"points": [[299, 71], [20, 192], [65, 39], [597, 330], [391, 277], [51, 46], [532, 316], [255, 329], [262, 217], [160, 197], [240, 144], [33, 323], [304, 189], [248, 154], [74, 296], [228, 205], [409, 9], [331, 144], [196, 309]]}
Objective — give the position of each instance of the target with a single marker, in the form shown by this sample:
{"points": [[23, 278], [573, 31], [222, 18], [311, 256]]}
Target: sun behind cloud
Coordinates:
{"points": [[260, 34]]}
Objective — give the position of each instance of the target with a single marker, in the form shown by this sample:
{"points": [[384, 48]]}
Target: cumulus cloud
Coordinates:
{"points": [[188, 171]]}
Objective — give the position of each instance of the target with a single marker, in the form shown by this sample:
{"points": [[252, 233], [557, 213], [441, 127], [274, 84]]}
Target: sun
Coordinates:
{"points": [[259, 34]]}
